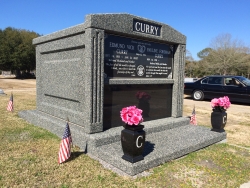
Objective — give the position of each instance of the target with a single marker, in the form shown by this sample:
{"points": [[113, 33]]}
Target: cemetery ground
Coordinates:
{"points": [[29, 154]]}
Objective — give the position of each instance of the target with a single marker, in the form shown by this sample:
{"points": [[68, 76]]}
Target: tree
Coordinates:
{"points": [[226, 56], [204, 53], [16, 50], [191, 67], [189, 64], [189, 56]]}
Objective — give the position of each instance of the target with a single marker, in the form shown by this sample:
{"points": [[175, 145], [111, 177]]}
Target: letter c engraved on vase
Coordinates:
{"points": [[138, 140]]}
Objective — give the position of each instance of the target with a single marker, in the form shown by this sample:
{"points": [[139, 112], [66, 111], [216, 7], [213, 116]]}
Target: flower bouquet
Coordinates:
{"points": [[222, 103], [131, 115]]}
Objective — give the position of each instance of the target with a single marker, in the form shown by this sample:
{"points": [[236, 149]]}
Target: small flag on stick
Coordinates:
{"points": [[10, 106], [65, 146], [193, 118]]}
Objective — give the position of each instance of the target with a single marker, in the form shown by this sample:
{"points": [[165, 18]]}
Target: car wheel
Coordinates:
{"points": [[198, 95]]}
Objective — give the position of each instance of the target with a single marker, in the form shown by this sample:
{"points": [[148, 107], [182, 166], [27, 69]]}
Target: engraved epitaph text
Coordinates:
{"points": [[127, 57]]}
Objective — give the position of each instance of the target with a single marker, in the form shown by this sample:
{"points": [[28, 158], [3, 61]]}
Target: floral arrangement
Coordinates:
{"points": [[131, 115], [142, 95], [222, 103]]}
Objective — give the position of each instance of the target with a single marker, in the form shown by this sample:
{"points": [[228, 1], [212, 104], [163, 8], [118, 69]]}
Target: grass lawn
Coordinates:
{"points": [[29, 156]]}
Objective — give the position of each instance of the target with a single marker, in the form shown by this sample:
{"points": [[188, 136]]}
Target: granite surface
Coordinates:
{"points": [[122, 23], [57, 125], [161, 147], [70, 68], [116, 23]]}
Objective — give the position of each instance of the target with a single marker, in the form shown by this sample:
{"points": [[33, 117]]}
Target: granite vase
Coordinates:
{"points": [[133, 142], [218, 119]]}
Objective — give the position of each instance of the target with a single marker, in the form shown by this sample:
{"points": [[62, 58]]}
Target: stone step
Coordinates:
{"points": [[82, 139], [161, 147]]}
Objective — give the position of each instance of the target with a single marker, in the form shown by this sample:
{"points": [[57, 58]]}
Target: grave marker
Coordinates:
{"points": [[90, 71]]}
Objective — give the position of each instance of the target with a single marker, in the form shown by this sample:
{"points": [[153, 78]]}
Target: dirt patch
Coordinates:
{"points": [[194, 176], [12, 83], [208, 164]]}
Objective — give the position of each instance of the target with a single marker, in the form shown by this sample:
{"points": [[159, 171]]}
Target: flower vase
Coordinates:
{"points": [[145, 106], [133, 142], [218, 119]]}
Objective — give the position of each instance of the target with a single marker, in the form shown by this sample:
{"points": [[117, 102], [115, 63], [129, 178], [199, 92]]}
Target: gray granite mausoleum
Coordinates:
{"points": [[89, 72]]}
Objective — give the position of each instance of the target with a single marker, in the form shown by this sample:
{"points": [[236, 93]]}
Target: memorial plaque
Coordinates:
{"points": [[154, 99], [128, 57]]}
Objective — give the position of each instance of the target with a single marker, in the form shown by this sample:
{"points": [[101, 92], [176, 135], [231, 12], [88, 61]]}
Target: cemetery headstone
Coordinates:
{"points": [[2, 92], [89, 72]]}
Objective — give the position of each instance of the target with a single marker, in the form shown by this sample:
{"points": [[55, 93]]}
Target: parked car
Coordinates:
{"points": [[237, 88]]}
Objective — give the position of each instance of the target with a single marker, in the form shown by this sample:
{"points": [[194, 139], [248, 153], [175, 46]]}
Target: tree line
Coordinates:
{"points": [[224, 56], [17, 54]]}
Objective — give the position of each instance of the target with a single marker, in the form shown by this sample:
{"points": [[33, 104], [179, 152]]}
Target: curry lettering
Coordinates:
{"points": [[147, 28]]}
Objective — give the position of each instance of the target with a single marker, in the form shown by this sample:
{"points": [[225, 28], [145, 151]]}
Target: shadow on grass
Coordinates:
{"points": [[74, 155]]}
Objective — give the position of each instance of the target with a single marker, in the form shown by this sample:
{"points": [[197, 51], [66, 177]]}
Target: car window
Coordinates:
{"points": [[204, 81], [215, 80], [244, 80], [228, 81], [232, 82]]}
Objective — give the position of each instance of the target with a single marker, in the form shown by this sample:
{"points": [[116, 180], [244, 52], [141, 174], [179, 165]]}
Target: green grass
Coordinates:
{"points": [[245, 123], [28, 158]]}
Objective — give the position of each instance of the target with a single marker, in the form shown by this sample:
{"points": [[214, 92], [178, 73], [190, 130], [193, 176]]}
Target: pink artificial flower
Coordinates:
{"points": [[222, 102], [214, 102], [226, 99], [135, 119], [131, 115]]}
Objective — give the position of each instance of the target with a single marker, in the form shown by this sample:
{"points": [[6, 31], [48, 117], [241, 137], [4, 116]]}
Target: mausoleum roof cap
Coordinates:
{"points": [[118, 23]]}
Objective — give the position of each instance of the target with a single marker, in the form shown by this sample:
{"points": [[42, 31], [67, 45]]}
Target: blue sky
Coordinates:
{"points": [[199, 20]]}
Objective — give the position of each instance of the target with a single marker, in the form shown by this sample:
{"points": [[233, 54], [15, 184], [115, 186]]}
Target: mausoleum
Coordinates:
{"points": [[89, 72]]}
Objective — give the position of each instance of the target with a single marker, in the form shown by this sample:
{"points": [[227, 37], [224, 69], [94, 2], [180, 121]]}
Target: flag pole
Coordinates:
{"points": [[12, 100], [71, 136]]}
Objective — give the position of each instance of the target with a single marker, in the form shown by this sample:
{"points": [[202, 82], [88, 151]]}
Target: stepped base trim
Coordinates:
{"points": [[166, 139]]}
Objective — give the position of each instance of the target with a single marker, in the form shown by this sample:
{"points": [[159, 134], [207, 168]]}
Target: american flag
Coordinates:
{"points": [[10, 106], [193, 118], [65, 146]]}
